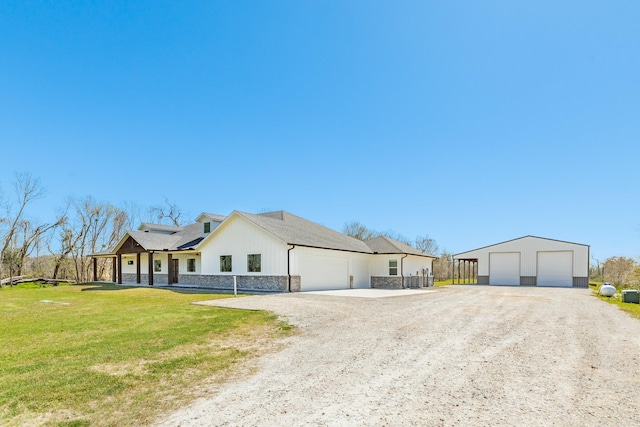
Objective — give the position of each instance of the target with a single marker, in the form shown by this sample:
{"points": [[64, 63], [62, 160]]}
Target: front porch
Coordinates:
{"points": [[133, 264]]}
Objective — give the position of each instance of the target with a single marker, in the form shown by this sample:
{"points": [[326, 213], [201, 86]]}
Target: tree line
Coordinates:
{"points": [[61, 248], [618, 270], [442, 265]]}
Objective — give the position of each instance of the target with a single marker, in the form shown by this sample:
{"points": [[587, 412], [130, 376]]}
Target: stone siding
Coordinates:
{"points": [[295, 283], [385, 282], [129, 278], [158, 279], [245, 283]]}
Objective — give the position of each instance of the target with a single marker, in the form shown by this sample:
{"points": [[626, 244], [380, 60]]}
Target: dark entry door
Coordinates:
{"points": [[176, 263]]}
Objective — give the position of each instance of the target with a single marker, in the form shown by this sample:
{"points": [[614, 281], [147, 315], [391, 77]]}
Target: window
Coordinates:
{"points": [[207, 227], [254, 263], [393, 267], [225, 263], [157, 265], [130, 262], [191, 265]]}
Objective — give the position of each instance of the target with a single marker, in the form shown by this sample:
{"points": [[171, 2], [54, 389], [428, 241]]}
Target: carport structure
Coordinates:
{"points": [[466, 269], [526, 261]]}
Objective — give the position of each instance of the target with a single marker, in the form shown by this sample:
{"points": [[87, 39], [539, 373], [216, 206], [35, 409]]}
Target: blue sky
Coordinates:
{"points": [[472, 122]]}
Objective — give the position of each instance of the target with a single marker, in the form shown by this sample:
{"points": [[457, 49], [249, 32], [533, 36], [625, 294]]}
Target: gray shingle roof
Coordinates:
{"points": [[160, 227], [190, 236], [386, 245], [215, 217], [287, 227], [298, 231], [155, 241]]}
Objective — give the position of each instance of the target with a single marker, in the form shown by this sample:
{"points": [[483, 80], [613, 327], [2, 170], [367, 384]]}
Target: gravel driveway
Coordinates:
{"points": [[462, 355]]}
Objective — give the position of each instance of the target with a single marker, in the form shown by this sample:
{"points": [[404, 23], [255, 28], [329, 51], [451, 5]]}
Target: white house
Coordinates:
{"points": [[526, 261], [275, 251]]}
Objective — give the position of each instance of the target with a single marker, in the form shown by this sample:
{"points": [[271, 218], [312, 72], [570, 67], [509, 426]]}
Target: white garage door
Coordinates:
{"points": [[504, 268], [319, 273], [555, 269], [360, 273]]}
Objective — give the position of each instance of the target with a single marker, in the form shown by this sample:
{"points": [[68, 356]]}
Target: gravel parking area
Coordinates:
{"points": [[460, 356]]}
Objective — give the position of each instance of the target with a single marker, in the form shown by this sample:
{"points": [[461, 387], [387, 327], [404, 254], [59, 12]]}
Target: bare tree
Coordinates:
{"points": [[169, 211], [427, 245], [29, 236], [443, 266], [15, 225], [619, 270], [95, 227], [357, 230]]}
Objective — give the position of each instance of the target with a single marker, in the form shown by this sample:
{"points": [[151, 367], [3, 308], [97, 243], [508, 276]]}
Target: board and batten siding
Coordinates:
{"points": [[529, 247], [239, 238], [164, 260], [413, 265], [410, 265]]}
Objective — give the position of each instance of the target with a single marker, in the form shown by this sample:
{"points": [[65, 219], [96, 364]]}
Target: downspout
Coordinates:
{"points": [[289, 267], [402, 268]]}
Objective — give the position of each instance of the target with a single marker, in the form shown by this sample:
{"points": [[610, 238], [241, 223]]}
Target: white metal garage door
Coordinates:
{"points": [[504, 268], [360, 273], [319, 273], [555, 269]]}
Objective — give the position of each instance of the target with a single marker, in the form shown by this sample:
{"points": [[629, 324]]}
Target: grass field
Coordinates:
{"points": [[442, 282], [632, 309], [106, 355]]}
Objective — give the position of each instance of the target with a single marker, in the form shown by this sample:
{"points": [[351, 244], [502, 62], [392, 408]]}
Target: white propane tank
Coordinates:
{"points": [[607, 289]]}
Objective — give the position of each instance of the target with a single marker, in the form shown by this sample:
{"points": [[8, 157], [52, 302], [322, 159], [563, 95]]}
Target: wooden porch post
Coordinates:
{"points": [[475, 272], [119, 269], [467, 272], [169, 269], [138, 279], [95, 269], [114, 271], [453, 271], [150, 268]]}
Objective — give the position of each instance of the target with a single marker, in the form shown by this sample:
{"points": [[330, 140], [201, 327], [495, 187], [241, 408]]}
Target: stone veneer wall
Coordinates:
{"points": [[247, 283], [160, 279], [384, 282]]}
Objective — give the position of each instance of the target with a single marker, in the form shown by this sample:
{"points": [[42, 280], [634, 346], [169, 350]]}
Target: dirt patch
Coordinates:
{"points": [[464, 355], [257, 340]]}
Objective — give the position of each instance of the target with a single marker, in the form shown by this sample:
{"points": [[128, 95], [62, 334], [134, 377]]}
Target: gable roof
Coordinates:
{"points": [[211, 216], [184, 238], [386, 245], [295, 230], [289, 228], [519, 238], [162, 228]]}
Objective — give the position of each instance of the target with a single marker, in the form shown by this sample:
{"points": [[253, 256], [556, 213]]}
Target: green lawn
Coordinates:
{"points": [[106, 355], [632, 309], [442, 282]]}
